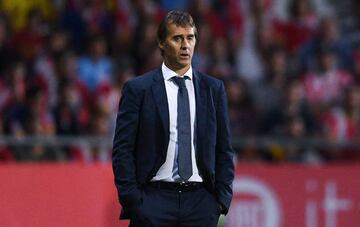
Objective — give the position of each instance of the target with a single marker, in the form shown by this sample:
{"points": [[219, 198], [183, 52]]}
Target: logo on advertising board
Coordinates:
{"points": [[309, 200], [327, 210], [255, 204]]}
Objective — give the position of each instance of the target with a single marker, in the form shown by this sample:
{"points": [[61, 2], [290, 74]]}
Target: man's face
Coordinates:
{"points": [[178, 47]]}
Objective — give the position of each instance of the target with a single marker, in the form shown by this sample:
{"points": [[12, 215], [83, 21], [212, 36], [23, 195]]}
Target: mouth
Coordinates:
{"points": [[184, 56]]}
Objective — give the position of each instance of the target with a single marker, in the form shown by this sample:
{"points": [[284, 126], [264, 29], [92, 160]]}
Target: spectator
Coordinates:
{"points": [[81, 97], [97, 151], [96, 18], [328, 35], [220, 59], [300, 27], [18, 11], [297, 106], [269, 94], [70, 19], [37, 151], [66, 112], [203, 10], [257, 22], [63, 65], [108, 95], [356, 57], [201, 58], [242, 113], [298, 150], [13, 95], [342, 124], [144, 44], [6, 153], [30, 40], [45, 64], [95, 68], [326, 84], [6, 54]]}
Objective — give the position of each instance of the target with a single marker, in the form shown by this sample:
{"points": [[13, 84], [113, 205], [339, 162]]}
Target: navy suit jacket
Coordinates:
{"points": [[142, 136]]}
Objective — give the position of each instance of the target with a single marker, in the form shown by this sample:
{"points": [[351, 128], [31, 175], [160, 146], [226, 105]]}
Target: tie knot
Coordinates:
{"points": [[180, 81]]}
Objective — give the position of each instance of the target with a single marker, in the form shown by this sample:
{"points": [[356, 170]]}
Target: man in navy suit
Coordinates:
{"points": [[172, 155]]}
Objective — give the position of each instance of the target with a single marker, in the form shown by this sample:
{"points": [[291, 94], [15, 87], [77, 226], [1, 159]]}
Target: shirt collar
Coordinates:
{"points": [[168, 73]]}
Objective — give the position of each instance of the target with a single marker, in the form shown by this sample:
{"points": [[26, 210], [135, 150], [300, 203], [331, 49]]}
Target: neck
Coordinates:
{"points": [[179, 70]]}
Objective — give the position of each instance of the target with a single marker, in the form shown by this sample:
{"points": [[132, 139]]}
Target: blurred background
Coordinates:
{"points": [[291, 70]]}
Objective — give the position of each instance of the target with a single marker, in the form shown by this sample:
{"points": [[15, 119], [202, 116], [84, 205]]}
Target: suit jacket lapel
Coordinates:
{"points": [[160, 97], [201, 110]]}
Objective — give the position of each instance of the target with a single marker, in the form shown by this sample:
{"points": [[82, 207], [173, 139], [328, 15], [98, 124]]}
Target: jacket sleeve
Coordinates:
{"points": [[123, 160], [224, 164]]}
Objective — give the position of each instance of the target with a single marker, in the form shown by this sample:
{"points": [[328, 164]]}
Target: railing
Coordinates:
{"points": [[238, 142], [55, 140], [263, 142]]}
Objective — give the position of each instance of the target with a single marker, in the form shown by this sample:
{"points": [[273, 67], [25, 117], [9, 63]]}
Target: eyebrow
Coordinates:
{"points": [[190, 35]]}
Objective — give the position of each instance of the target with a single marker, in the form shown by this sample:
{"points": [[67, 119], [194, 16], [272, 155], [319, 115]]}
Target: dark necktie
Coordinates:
{"points": [[184, 130]]}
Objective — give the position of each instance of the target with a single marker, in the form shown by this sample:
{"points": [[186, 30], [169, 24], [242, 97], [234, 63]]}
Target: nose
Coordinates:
{"points": [[185, 44]]}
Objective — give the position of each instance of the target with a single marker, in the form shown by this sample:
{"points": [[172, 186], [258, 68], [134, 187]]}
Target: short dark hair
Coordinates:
{"points": [[176, 17]]}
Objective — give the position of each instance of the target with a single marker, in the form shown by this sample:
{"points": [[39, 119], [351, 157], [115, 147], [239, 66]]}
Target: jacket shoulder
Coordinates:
{"points": [[209, 80], [144, 80]]}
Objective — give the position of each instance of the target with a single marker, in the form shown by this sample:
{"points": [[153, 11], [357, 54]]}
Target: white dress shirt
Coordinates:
{"points": [[167, 170]]}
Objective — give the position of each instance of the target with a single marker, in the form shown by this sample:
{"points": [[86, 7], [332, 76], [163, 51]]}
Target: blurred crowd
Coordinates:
{"points": [[291, 70]]}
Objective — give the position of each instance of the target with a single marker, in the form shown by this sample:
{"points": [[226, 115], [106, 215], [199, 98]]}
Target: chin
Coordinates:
{"points": [[184, 62]]}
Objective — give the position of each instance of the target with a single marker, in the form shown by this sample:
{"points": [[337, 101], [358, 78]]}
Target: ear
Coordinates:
{"points": [[161, 45]]}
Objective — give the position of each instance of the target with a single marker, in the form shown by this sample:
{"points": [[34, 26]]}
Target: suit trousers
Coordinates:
{"points": [[176, 208]]}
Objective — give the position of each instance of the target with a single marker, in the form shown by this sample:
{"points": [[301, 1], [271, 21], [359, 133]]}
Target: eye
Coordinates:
{"points": [[190, 38], [177, 38]]}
